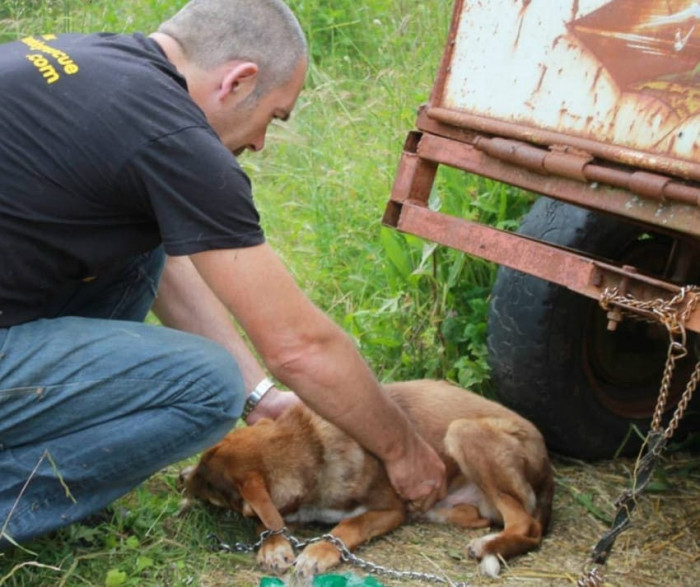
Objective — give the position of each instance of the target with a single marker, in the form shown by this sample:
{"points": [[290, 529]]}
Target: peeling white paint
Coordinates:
{"points": [[523, 62]]}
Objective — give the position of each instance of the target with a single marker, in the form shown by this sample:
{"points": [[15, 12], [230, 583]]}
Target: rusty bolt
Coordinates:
{"points": [[614, 318]]}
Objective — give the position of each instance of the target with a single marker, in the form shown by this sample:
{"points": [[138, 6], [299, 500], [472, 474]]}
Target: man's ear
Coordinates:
{"points": [[239, 80]]}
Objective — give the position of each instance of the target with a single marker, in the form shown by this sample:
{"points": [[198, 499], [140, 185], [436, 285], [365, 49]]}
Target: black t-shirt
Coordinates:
{"points": [[104, 155]]}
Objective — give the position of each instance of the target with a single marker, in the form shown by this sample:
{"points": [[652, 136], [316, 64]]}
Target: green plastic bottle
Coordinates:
{"points": [[328, 580]]}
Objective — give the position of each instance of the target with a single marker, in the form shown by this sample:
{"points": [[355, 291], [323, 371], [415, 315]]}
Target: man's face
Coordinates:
{"points": [[244, 125]]}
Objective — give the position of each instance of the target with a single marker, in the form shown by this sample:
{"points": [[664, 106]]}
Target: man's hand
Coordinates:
{"points": [[418, 476], [272, 405]]}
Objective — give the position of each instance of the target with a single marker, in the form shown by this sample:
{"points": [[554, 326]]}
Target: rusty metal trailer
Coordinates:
{"points": [[594, 105]]}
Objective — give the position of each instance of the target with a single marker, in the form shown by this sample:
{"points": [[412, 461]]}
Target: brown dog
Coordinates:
{"points": [[300, 468]]}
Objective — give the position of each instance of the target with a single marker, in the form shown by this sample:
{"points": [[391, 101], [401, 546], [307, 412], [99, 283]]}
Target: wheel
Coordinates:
{"points": [[551, 356]]}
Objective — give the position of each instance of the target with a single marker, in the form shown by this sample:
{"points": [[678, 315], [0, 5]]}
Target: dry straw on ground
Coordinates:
{"points": [[661, 547]]}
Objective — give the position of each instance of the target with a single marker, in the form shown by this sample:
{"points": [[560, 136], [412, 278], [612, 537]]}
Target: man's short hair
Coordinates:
{"points": [[266, 32]]}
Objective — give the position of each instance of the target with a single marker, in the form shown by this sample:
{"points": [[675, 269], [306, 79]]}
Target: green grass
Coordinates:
{"points": [[321, 184]]}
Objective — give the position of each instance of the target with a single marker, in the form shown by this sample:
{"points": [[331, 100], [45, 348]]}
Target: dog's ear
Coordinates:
{"points": [[254, 491]]}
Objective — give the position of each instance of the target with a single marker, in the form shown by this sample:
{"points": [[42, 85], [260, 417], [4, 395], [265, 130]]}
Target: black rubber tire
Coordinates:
{"points": [[551, 356]]}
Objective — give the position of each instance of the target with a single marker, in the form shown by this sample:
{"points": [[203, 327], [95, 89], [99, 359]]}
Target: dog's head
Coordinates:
{"points": [[223, 470], [208, 481]]}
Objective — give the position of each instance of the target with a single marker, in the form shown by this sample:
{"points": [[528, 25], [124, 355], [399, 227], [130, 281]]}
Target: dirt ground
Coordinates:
{"points": [[661, 547]]}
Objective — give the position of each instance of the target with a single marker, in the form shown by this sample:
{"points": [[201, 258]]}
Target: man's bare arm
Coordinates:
{"points": [[185, 302]]}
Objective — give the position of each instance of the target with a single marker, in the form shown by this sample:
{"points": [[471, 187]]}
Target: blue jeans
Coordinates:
{"points": [[93, 401]]}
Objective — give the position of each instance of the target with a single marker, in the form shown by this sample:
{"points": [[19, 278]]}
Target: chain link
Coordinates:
{"points": [[345, 556]]}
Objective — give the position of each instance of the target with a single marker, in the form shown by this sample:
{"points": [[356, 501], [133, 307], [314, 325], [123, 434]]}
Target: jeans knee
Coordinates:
{"points": [[215, 403], [222, 382]]}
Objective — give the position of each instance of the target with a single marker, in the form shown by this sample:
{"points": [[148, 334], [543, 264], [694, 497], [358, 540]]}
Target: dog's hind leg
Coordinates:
{"points": [[492, 453]]}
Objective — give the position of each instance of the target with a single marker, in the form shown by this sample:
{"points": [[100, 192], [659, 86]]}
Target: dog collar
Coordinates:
{"points": [[256, 395]]}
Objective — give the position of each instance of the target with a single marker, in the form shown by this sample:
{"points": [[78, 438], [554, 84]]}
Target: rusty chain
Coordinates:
{"points": [[672, 314]]}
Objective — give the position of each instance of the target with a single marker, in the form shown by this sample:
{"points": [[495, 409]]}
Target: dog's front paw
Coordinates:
{"points": [[316, 558], [276, 555], [490, 565]]}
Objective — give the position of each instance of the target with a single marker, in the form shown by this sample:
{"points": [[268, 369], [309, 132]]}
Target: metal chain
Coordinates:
{"points": [[666, 311], [673, 315], [345, 556], [219, 544], [683, 402]]}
